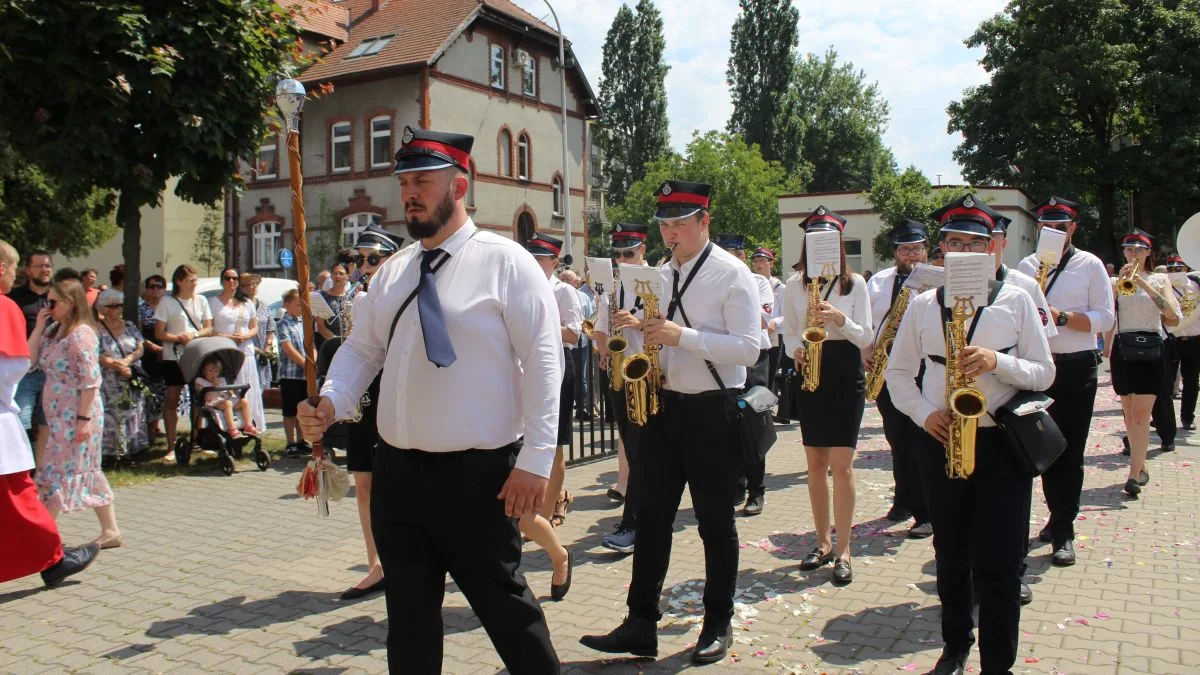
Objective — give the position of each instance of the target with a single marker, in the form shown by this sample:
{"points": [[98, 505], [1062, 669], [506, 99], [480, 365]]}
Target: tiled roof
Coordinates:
{"points": [[510, 8], [322, 17]]}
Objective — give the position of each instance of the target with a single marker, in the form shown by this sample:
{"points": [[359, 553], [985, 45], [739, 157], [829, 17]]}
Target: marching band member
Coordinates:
{"points": [[1018, 278], [628, 244], [710, 313], [980, 524], [831, 415], [753, 483], [1187, 342], [375, 245], [1162, 416], [480, 325], [1145, 303], [908, 248], [763, 262]]}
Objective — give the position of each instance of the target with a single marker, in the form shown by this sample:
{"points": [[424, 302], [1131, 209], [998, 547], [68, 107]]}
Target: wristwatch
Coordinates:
{"points": [[1062, 319]]}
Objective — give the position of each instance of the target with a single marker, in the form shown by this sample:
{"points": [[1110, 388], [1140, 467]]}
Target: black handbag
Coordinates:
{"points": [[753, 415], [1030, 432], [1140, 347]]}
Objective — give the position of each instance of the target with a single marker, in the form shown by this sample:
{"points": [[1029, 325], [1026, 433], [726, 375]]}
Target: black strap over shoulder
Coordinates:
{"points": [[676, 301], [412, 296], [993, 291], [1062, 265]]}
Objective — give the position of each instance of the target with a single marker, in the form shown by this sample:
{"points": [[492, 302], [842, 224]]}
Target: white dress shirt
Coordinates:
{"points": [[15, 454], [1083, 287], [1137, 313], [632, 304], [1010, 322], [776, 320], [1188, 326], [766, 298], [856, 305], [1030, 285], [503, 323], [879, 289], [723, 309], [570, 312]]}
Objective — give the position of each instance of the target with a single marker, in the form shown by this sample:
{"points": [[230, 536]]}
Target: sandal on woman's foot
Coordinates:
{"points": [[111, 542]]}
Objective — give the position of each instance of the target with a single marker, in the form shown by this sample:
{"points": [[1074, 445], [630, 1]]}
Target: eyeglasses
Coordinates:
{"points": [[229, 278], [625, 254], [975, 246], [156, 287], [910, 249], [1060, 225]]}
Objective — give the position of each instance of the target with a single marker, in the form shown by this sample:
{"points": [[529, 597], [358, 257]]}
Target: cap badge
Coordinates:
{"points": [[619, 228], [820, 210], [968, 202], [1053, 202], [666, 189], [408, 136]]}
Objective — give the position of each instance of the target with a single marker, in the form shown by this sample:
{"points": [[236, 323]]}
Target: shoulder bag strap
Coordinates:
{"points": [[1062, 265], [411, 296], [187, 314], [711, 368]]}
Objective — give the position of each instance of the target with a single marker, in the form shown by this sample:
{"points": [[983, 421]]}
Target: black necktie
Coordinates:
{"points": [[433, 325], [897, 284], [674, 295]]}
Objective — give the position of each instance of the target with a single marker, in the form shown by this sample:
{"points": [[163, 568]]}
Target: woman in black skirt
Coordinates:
{"points": [[1138, 363], [831, 415]]}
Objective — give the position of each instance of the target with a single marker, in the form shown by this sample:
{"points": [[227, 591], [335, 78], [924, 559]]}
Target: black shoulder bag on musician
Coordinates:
{"points": [[1030, 433], [751, 411], [1139, 347]]}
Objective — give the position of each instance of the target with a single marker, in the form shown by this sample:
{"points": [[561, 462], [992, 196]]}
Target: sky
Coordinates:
{"points": [[913, 48]]}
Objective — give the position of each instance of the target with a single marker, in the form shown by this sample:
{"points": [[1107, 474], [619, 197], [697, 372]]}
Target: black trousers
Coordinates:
{"points": [[691, 442], [468, 536], [1162, 416], [631, 439], [1074, 394], [773, 355], [899, 429], [754, 474], [1188, 350], [980, 529]]}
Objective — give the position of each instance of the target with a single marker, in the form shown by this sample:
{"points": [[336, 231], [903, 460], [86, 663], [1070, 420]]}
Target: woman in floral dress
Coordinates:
{"points": [[125, 433], [69, 477]]}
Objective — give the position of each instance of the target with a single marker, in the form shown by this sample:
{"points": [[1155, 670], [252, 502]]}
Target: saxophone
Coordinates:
{"points": [[617, 344], [814, 335], [1043, 274], [641, 372], [965, 403], [883, 344], [347, 322]]}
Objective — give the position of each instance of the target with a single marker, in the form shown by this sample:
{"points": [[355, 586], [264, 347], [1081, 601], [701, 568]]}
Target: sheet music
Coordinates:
{"points": [[1050, 245], [1178, 279], [925, 277], [823, 253], [967, 276], [320, 308], [631, 275], [600, 275]]}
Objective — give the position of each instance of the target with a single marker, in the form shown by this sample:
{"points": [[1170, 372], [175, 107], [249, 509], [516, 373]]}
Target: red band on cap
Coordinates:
{"points": [[1058, 207], [1137, 237], [684, 198], [545, 244], [463, 159], [826, 219], [966, 212], [629, 235]]}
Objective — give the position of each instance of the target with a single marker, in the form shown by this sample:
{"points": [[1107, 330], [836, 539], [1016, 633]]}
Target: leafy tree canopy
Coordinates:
{"points": [[904, 196], [762, 61]]}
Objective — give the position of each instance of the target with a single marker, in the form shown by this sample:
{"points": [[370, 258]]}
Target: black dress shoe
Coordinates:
{"points": [[1189, 426], [1167, 447], [1143, 477], [754, 505], [1045, 536], [559, 591], [634, 636], [921, 530], [712, 644], [897, 514], [842, 572], [1026, 594], [616, 495], [1132, 488], [1064, 554], [816, 559], [354, 593], [952, 662], [74, 561]]}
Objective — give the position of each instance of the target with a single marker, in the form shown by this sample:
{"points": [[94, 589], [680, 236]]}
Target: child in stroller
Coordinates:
{"points": [[217, 397]]}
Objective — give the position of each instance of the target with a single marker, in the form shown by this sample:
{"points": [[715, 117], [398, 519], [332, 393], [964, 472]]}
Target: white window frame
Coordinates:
{"points": [[272, 147], [496, 66], [354, 224], [523, 157], [334, 139], [557, 192], [506, 153], [265, 238], [528, 74], [386, 161]]}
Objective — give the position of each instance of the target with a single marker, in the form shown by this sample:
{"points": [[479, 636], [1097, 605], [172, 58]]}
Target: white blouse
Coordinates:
{"points": [[856, 305], [1138, 313]]}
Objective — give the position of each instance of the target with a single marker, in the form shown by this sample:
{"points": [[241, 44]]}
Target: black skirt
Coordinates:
{"points": [[566, 395], [1136, 378], [831, 415]]}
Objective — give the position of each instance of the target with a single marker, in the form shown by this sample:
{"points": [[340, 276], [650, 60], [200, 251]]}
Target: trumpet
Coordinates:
{"points": [[814, 335], [965, 403], [883, 345], [641, 372], [1125, 284]]}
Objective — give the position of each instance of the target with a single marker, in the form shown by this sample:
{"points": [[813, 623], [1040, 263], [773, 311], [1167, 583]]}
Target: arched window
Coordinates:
{"points": [[524, 228], [556, 187], [353, 225], [505, 153], [381, 142], [523, 158], [265, 244]]}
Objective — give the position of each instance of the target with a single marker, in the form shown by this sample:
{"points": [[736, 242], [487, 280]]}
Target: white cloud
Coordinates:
{"points": [[914, 50]]}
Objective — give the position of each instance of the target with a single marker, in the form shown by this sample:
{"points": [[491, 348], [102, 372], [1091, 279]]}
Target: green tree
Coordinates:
{"points": [[906, 196], [208, 248], [38, 212], [1093, 100], [633, 95], [745, 188], [762, 61], [324, 240], [124, 95], [842, 119]]}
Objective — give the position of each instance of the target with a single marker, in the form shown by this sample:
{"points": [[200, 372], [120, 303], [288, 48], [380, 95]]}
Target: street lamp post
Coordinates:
{"points": [[566, 180]]}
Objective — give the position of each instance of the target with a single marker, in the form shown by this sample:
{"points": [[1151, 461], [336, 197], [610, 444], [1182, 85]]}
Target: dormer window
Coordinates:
{"points": [[370, 46]]}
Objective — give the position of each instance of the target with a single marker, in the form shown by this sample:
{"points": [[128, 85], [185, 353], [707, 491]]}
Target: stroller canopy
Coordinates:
{"points": [[199, 350]]}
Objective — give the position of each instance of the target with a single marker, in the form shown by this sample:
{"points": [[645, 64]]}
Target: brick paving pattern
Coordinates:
{"points": [[237, 575]]}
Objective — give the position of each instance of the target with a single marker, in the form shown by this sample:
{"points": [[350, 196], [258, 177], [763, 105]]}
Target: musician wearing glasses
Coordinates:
{"points": [[889, 301], [1145, 304], [1187, 340], [980, 522], [629, 248], [1081, 304], [831, 389], [709, 313]]}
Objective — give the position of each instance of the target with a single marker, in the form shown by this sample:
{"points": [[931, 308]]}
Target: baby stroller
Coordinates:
{"points": [[207, 432]]}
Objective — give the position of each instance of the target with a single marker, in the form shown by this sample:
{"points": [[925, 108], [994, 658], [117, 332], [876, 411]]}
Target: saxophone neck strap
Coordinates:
{"points": [[678, 291], [1062, 265], [947, 312]]}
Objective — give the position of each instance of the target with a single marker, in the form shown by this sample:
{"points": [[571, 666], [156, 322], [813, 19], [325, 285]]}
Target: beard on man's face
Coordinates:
{"points": [[427, 224]]}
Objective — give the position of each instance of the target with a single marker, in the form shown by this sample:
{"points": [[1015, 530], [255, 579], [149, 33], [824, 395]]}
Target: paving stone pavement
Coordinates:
{"points": [[237, 575]]}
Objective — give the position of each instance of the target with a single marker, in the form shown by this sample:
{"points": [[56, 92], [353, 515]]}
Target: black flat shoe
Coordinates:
{"points": [[712, 645], [1167, 447], [1064, 554], [951, 662], [634, 636], [1045, 536], [1125, 447], [616, 496], [898, 514], [842, 573], [921, 531], [1132, 488], [559, 591], [1026, 594], [1143, 478], [816, 560], [354, 593], [73, 561]]}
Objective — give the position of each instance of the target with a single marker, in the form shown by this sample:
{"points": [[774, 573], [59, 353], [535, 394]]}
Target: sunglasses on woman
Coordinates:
{"points": [[374, 259], [229, 278]]}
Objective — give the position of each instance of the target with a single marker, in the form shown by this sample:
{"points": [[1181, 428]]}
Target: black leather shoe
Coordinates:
{"points": [[74, 561], [815, 560], [1132, 488], [634, 636], [921, 530], [559, 591], [842, 572], [1143, 477], [1026, 594], [1045, 535], [1167, 447], [1189, 426], [616, 495], [754, 505], [1125, 446], [898, 514], [354, 593], [952, 662], [712, 644], [1064, 554]]}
